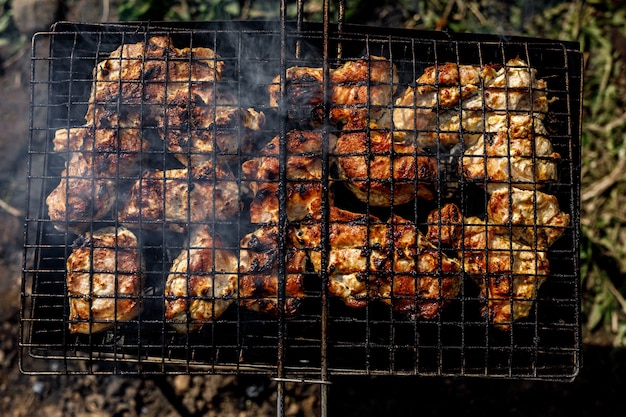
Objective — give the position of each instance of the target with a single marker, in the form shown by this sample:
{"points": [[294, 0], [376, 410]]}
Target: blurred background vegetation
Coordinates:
{"points": [[599, 26]]}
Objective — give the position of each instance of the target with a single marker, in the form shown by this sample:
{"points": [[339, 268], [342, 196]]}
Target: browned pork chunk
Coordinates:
{"points": [[178, 197], [202, 282], [105, 275]]}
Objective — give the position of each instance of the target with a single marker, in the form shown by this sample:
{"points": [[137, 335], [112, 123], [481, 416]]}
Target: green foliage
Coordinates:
{"points": [[11, 41], [133, 10], [186, 10]]}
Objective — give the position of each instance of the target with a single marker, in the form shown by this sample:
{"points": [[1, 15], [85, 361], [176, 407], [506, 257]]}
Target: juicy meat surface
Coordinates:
{"points": [[303, 174], [367, 84], [422, 279], [508, 273], [259, 285], [104, 275], [182, 196], [79, 200], [368, 259], [202, 282], [96, 161], [107, 152], [140, 78], [380, 168], [451, 99], [354, 269], [195, 131], [531, 217], [524, 160]]}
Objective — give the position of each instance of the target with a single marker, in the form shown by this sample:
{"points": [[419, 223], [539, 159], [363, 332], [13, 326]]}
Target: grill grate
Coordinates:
{"points": [[325, 336]]}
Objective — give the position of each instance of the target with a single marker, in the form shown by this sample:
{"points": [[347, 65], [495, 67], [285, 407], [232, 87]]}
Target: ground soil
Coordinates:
{"points": [[596, 391]]}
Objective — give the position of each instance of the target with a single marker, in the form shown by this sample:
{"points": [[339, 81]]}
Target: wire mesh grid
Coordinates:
{"points": [[283, 305]]}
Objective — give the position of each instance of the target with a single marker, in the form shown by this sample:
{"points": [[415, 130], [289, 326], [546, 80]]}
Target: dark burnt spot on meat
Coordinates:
{"points": [[81, 242], [258, 284], [380, 263], [264, 263], [302, 189], [501, 281], [257, 245], [152, 73], [362, 276], [377, 247], [105, 69]]}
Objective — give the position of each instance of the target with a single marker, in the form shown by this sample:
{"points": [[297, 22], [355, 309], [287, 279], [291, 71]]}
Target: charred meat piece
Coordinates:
{"points": [[422, 279], [390, 261], [97, 161], [195, 131], [80, 199], [451, 99], [531, 217], [135, 81], [182, 196], [259, 284], [380, 168], [417, 110], [109, 153], [202, 282], [445, 225], [524, 160], [356, 257], [303, 173], [508, 273], [366, 85], [105, 274]]}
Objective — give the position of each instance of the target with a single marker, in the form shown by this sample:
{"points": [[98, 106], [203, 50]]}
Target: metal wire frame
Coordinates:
{"points": [[329, 340]]}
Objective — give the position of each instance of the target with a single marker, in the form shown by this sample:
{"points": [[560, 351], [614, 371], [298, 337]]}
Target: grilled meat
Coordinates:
{"points": [[259, 285], [445, 225], [105, 274], [135, 82], [422, 279], [95, 159], [354, 267], [390, 261], [194, 132], [508, 273], [202, 282], [182, 196], [417, 110], [451, 99], [109, 153], [531, 217], [303, 173], [80, 199], [525, 161], [367, 84], [380, 168]]}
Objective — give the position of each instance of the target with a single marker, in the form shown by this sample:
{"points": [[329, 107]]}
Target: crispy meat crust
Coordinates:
{"points": [[140, 77], [105, 274], [381, 170], [390, 261], [202, 282], [259, 283], [179, 197], [367, 84], [304, 178]]}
